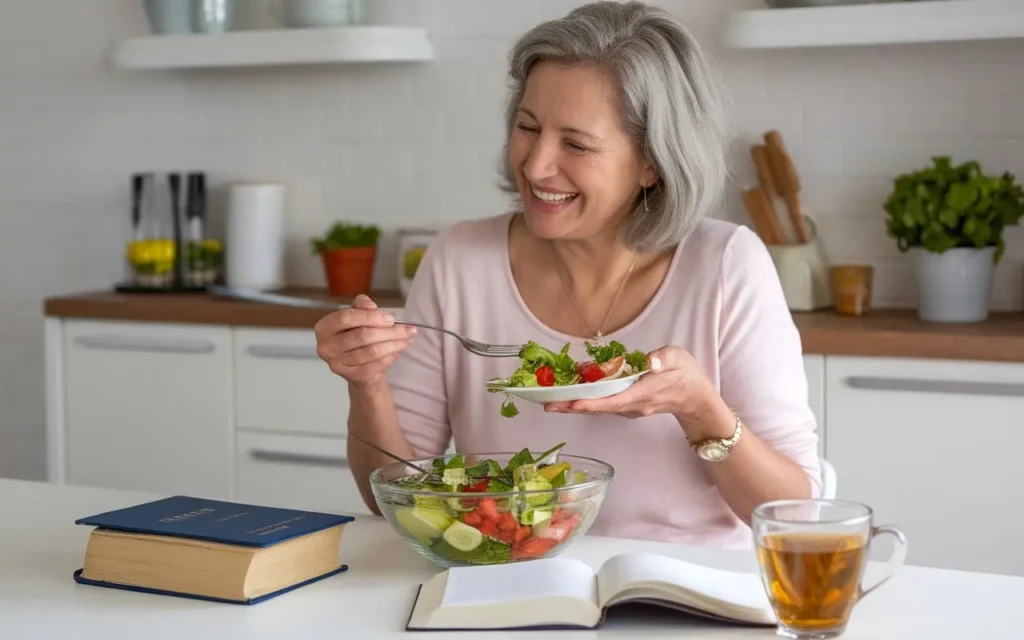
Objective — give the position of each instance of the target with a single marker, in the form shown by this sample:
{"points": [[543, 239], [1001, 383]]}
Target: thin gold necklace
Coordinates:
{"points": [[598, 333]]}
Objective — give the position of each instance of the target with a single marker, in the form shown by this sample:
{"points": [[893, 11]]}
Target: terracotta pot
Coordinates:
{"points": [[349, 271]]}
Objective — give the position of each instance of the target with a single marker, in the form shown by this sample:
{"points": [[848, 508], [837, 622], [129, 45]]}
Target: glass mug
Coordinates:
{"points": [[812, 555]]}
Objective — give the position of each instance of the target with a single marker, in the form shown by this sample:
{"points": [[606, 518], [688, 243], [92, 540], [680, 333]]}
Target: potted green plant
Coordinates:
{"points": [[348, 252], [951, 220]]}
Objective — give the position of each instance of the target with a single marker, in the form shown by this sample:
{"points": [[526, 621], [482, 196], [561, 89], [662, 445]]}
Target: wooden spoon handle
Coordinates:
{"points": [[787, 182], [764, 169], [759, 206]]}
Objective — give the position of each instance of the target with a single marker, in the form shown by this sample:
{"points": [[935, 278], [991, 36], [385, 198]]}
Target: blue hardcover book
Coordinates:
{"points": [[181, 534]]}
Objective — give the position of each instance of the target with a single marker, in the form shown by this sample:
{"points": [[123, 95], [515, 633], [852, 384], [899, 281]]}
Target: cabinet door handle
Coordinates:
{"points": [[962, 387], [134, 343], [282, 352], [298, 458]]}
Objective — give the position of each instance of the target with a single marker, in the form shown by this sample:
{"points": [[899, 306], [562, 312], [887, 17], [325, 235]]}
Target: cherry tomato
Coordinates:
{"points": [[591, 372], [546, 376]]}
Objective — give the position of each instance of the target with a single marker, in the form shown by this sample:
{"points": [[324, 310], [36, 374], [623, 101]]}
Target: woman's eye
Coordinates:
{"points": [[569, 144]]}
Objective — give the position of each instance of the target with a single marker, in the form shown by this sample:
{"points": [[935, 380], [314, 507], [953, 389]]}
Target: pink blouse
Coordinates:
{"points": [[721, 301]]}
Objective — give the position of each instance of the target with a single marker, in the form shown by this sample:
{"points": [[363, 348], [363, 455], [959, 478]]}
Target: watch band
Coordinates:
{"points": [[723, 446]]}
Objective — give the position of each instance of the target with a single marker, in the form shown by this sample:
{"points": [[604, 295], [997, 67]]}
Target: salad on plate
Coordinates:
{"points": [[482, 528], [542, 367]]}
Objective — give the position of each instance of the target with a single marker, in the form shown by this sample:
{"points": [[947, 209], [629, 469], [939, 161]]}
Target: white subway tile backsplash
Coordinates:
{"points": [[826, 116], [880, 116], [461, 158], [786, 117], [879, 157], [817, 156], [835, 74], [893, 284], [856, 238], [408, 145], [744, 77], [504, 18], [940, 116], [1008, 286], [1003, 117], [845, 196]]}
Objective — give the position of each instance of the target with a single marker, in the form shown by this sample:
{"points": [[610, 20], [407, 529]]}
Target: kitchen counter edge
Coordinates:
{"points": [[895, 333]]}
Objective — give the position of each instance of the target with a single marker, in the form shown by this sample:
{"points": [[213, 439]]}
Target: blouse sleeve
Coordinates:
{"points": [[761, 356], [417, 377]]}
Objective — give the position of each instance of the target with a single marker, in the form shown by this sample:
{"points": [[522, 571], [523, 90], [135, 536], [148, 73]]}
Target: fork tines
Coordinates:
{"points": [[501, 350]]}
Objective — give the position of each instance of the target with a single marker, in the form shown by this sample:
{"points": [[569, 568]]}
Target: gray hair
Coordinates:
{"points": [[673, 105]]}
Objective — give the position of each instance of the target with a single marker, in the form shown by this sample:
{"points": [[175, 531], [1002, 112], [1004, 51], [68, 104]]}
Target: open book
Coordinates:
{"points": [[562, 593]]}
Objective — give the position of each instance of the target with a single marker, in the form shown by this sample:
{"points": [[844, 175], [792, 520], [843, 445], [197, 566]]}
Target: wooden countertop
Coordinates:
{"points": [[894, 333], [898, 333], [203, 308]]}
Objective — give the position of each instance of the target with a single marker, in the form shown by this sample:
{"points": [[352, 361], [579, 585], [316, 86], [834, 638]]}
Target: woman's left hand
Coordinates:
{"points": [[675, 384]]}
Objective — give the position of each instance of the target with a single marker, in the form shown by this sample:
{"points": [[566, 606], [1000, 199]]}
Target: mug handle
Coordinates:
{"points": [[899, 554]]}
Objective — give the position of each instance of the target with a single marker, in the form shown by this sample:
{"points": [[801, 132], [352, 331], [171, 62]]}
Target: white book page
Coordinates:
{"points": [[640, 571], [519, 581]]}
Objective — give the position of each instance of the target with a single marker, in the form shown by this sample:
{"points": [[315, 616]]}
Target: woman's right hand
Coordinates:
{"points": [[361, 342]]}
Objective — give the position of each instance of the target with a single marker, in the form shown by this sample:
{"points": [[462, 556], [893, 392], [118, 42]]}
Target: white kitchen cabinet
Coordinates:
{"points": [[283, 385], [300, 472], [814, 368], [933, 447], [147, 406]]}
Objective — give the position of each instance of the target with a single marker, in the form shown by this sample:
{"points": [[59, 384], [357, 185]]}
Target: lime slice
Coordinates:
{"points": [[424, 524], [462, 536]]}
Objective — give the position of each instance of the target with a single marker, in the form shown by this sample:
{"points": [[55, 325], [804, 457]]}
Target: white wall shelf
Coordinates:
{"points": [[274, 47], [873, 24]]}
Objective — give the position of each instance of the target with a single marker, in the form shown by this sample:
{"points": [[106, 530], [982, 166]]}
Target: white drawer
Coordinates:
{"points": [[282, 385], [299, 472]]}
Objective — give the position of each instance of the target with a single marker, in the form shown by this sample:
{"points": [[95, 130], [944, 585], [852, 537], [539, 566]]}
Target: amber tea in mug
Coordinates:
{"points": [[812, 555]]}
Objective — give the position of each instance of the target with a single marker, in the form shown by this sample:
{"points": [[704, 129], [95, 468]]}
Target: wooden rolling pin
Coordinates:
{"points": [[764, 177], [786, 181], [759, 206]]}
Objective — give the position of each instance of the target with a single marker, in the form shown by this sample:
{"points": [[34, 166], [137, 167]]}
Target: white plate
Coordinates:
{"points": [[583, 391]]}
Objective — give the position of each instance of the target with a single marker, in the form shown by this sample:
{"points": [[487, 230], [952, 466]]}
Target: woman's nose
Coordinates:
{"points": [[541, 161]]}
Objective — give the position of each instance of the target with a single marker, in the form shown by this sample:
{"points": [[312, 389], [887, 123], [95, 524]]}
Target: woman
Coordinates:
{"points": [[616, 151]]}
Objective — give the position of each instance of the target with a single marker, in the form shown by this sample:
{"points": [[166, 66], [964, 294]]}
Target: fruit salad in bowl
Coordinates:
{"points": [[492, 508]]}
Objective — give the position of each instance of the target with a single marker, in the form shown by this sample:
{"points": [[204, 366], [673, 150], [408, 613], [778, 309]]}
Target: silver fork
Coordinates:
{"points": [[255, 295], [474, 346]]}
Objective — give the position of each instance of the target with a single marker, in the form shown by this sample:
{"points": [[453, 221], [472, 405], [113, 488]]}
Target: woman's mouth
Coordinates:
{"points": [[551, 201]]}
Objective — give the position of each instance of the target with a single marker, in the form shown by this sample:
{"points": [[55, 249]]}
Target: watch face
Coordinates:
{"points": [[713, 452]]}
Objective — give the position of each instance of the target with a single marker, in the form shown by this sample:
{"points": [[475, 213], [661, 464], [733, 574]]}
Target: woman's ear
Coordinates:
{"points": [[648, 176]]}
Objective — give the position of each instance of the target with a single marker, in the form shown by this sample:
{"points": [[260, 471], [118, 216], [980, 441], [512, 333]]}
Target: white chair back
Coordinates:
{"points": [[829, 481]]}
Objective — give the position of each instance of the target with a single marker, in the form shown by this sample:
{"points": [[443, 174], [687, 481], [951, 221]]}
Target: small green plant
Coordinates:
{"points": [[342, 235], [944, 206]]}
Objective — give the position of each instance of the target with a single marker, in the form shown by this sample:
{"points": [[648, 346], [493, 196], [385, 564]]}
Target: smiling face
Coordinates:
{"points": [[577, 169]]}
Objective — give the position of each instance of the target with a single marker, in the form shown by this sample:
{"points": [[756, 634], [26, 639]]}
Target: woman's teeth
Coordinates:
{"points": [[556, 198]]}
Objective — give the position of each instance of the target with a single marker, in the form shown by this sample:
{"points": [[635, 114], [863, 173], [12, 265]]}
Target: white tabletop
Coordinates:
{"points": [[40, 548]]}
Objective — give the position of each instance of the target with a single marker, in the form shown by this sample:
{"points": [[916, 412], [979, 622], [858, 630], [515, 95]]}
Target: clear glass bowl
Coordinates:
{"points": [[452, 529]]}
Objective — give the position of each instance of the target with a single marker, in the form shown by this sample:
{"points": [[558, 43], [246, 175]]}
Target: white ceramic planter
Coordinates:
{"points": [[954, 286]]}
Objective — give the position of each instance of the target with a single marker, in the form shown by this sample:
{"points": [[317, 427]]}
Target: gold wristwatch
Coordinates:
{"points": [[718, 449]]}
